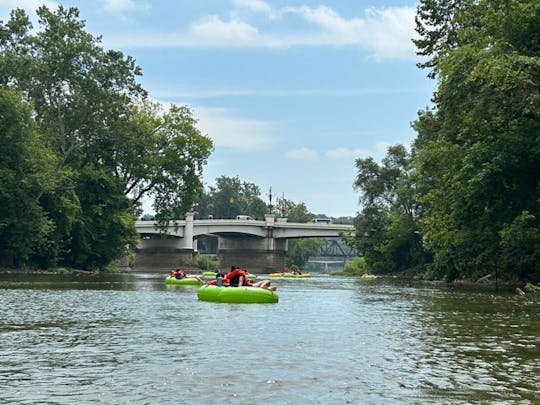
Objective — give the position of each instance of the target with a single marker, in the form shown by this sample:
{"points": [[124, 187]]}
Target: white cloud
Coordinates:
{"points": [[384, 32], [258, 6], [347, 153], [392, 30], [29, 5], [229, 131], [121, 6], [302, 154], [214, 31]]}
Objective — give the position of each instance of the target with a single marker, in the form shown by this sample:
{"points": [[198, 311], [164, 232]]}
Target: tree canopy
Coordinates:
{"points": [[470, 187], [103, 144]]}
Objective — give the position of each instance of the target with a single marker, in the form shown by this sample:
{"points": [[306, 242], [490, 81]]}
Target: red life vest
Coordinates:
{"points": [[179, 273], [233, 277]]}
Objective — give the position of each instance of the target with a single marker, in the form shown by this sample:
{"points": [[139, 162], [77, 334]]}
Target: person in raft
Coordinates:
{"points": [[180, 274], [238, 277]]}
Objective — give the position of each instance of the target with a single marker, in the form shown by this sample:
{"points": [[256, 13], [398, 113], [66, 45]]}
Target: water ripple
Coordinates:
{"points": [[326, 341]]}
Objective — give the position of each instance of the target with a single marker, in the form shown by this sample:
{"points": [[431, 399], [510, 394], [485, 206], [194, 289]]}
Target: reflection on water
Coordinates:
{"points": [[131, 339]]}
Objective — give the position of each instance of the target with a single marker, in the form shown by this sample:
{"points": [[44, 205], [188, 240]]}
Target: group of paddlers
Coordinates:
{"points": [[237, 277]]}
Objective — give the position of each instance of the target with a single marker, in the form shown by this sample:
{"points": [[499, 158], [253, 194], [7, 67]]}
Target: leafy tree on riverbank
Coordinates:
{"points": [[25, 169], [479, 150], [473, 168], [93, 117], [387, 232]]}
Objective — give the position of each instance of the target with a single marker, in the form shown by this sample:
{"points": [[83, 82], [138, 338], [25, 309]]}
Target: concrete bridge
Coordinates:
{"points": [[259, 246]]}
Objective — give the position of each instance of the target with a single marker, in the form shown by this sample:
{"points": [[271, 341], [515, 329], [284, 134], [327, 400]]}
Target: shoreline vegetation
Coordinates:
{"points": [[520, 288]]}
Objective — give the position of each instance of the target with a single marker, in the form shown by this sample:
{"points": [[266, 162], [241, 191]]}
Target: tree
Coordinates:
{"points": [[231, 197], [105, 230], [295, 212], [300, 250], [437, 23], [175, 152], [93, 115], [387, 232], [478, 152], [25, 170]]}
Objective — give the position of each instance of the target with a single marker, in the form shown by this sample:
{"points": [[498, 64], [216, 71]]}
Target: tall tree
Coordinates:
{"points": [[92, 113], [387, 232], [231, 197], [478, 151]]}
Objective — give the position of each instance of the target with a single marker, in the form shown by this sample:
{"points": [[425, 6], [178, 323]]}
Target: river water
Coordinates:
{"points": [[131, 339]]}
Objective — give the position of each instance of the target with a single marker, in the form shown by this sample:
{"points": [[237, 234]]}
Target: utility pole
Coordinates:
{"points": [[270, 206]]}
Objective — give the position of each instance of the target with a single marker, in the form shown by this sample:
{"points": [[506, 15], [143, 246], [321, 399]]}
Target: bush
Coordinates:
{"points": [[354, 268], [207, 262]]}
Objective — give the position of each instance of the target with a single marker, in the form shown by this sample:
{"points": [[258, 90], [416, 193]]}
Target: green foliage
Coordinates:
{"points": [[231, 197], [520, 247], [477, 153], [355, 268], [24, 169], [387, 233], [300, 250], [90, 148], [180, 155], [298, 213], [105, 230], [207, 262]]}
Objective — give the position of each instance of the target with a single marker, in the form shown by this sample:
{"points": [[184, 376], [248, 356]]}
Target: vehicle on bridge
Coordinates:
{"points": [[245, 218], [322, 221]]}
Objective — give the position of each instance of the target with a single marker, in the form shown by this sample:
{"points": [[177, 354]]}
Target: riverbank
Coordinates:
{"points": [[59, 270]]}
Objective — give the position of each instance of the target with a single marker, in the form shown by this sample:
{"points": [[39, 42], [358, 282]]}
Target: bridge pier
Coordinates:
{"points": [[163, 260], [257, 255], [255, 261]]}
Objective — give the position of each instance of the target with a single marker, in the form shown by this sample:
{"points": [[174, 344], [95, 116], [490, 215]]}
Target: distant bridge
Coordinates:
{"points": [[259, 246], [333, 254]]}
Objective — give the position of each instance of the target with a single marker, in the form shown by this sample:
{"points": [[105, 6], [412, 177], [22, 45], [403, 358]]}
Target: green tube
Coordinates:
{"points": [[182, 281], [240, 295]]}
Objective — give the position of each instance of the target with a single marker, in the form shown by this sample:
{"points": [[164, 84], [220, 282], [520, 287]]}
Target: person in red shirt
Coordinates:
{"points": [[238, 277]]}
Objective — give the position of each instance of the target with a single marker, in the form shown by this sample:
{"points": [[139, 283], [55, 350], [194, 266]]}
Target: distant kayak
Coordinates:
{"points": [[368, 277], [291, 275]]}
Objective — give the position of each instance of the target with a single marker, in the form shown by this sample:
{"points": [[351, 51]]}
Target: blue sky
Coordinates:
{"points": [[291, 92]]}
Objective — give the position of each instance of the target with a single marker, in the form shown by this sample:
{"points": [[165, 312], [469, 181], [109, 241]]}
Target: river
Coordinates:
{"points": [[131, 339]]}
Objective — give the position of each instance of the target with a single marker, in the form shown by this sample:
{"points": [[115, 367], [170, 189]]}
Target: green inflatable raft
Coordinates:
{"points": [[182, 281], [238, 295], [290, 275]]}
